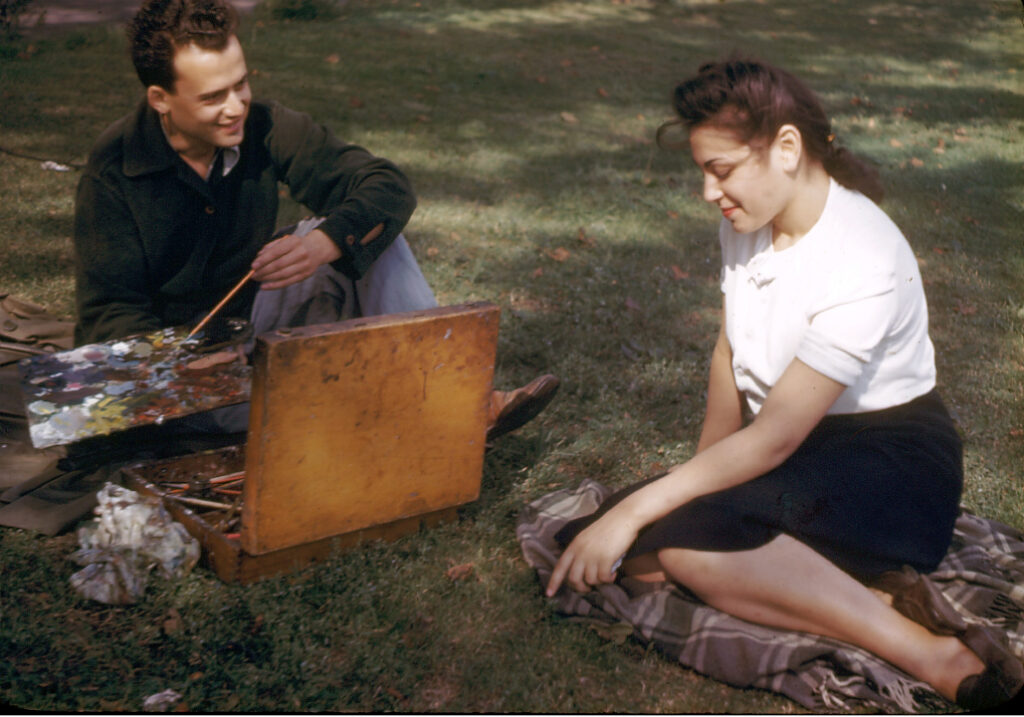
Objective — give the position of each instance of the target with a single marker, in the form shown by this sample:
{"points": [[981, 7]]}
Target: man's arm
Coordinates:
{"points": [[110, 293], [366, 200]]}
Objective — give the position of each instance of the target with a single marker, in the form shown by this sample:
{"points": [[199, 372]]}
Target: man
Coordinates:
{"points": [[179, 202]]}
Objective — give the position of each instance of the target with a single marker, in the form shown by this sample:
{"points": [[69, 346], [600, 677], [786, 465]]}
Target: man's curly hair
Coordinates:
{"points": [[160, 27]]}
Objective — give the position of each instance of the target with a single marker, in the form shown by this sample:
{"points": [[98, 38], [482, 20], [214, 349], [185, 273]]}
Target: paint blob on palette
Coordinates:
{"points": [[99, 389]]}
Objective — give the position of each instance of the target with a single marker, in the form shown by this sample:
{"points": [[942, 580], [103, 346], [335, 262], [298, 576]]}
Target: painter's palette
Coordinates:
{"points": [[99, 389]]}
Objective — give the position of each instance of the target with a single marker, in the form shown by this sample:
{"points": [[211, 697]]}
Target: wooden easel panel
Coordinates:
{"points": [[366, 422]]}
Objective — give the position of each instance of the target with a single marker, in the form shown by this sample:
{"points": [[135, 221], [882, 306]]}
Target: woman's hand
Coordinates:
{"points": [[593, 557]]}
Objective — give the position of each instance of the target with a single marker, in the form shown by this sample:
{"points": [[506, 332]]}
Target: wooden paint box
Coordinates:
{"points": [[360, 430]]}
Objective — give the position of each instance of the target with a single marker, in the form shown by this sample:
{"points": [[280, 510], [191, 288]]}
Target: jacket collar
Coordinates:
{"points": [[146, 150]]}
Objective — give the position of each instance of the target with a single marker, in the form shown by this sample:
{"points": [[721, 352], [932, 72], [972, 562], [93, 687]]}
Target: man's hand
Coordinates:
{"points": [[292, 258]]}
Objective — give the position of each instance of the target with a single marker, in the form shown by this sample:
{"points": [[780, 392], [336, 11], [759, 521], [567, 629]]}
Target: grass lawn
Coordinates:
{"points": [[527, 128]]}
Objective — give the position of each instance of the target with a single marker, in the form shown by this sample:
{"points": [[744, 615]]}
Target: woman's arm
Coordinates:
{"points": [[723, 415], [794, 406]]}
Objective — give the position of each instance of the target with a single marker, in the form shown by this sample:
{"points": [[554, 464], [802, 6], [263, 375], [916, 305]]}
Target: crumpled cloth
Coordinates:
{"points": [[130, 536], [982, 576]]}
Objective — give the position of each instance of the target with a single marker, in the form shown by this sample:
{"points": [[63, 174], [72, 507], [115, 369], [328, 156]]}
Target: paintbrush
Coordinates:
{"points": [[220, 305]]}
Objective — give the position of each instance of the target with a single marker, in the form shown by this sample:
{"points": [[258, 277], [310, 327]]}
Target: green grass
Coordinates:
{"points": [[527, 128]]}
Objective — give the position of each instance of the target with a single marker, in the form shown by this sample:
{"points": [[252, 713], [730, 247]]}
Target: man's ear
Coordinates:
{"points": [[156, 96], [790, 145]]}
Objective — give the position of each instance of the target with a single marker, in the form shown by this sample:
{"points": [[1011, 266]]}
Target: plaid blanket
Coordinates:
{"points": [[982, 576]]}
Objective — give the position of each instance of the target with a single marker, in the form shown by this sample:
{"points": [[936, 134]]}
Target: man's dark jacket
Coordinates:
{"points": [[158, 246]]}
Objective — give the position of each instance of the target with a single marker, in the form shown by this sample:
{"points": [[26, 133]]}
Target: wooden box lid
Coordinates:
{"points": [[366, 421]]}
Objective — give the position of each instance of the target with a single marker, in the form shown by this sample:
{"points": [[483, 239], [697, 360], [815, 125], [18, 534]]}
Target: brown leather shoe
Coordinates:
{"points": [[915, 596], [512, 409]]}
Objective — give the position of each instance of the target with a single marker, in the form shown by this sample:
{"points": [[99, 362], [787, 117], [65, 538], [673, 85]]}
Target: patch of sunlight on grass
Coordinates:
{"points": [[513, 21]]}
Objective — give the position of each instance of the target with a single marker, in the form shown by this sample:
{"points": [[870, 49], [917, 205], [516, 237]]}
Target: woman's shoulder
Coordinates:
{"points": [[857, 227], [855, 214]]}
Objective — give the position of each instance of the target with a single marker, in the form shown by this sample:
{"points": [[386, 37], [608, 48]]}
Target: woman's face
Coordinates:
{"points": [[747, 183]]}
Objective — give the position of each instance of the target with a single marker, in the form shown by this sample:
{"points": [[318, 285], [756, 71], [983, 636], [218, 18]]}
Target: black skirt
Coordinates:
{"points": [[869, 491]]}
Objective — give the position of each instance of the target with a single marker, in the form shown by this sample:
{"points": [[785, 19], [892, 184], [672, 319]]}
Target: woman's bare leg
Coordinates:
{"points": [[788, 585]]}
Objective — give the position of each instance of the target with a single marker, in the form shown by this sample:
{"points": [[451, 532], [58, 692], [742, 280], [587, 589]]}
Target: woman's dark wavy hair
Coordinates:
{"points": [[161, 26], [754, 99]]}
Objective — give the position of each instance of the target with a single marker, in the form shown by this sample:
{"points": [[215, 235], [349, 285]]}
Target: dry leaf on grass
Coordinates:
{"points": [[965, 308], [459, 572], [172, 622], [678, 274], [617, 632]]}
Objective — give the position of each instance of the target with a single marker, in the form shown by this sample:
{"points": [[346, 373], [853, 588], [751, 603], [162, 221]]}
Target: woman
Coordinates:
{"points": [[826, 457]]}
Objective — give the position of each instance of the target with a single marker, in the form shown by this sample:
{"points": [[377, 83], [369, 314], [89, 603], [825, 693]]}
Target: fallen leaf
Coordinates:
{"points": [[569, 118], [617, 632], [672, 214], [678, 274], [334, 58], [965, 308], [602, 92], [559, 254], [355, 102], [584, 239], [459, 572], [917, 162], [537, 273], [172, 622], [895, 143], [433, 251], [396, 694]]}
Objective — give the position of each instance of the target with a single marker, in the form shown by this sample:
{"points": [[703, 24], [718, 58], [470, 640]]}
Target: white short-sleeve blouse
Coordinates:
{"points": [[846, 300]]}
